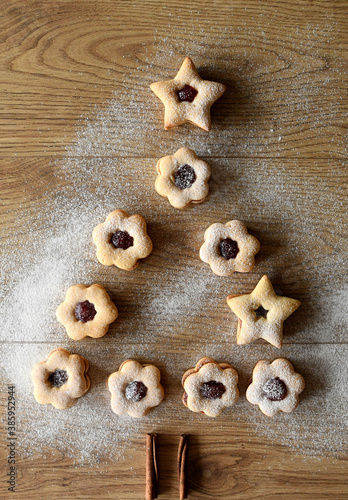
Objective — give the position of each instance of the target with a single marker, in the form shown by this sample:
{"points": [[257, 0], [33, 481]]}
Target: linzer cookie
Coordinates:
{"points": [[122, 240], [275, 387], [61, 379], [87, 311], [182, 178], [210, 387], [187, 97], [261, 313], [228, 248], [135, 389]]}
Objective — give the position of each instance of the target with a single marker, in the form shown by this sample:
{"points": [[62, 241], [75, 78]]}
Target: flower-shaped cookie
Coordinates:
{"points": [[135, 388], [86, 311], [210, 387], [122, 240], [261, 313], [61, 379], [275, 387], [183, 178], [229, 248], [187, 98]]}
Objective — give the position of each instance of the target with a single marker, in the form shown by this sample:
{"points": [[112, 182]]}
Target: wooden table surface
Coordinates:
{"points": [[277, 151]]}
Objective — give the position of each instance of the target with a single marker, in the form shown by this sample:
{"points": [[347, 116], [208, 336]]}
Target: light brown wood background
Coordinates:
{"points": [[284, 63]]}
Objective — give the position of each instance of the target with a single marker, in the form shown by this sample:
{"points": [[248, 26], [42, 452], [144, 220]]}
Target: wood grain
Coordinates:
{"points": [[284, 69], [281, 126]]}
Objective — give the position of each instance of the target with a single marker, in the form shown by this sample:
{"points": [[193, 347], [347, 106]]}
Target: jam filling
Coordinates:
{"points": [[58, 378], [275, 389], [212, 389], [85, 311], [187, 93], [229, 248], [135, 391], [184, 177], [261, 312], [121, 239]]}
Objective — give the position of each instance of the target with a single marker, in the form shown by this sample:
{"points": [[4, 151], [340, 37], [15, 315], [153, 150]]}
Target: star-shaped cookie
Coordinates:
{"points": [[187, 98], [261, 313]]}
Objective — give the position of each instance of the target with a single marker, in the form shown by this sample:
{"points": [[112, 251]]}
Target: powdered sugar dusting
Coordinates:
{"points": [[101, 171]]}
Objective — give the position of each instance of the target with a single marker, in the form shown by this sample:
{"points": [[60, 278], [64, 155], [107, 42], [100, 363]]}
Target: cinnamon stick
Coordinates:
{"points": [[151, 488], [182, 475]]}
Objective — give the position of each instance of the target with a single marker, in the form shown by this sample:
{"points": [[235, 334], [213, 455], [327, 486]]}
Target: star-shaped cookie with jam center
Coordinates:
{"points": [[187, 98], [261, 313]]}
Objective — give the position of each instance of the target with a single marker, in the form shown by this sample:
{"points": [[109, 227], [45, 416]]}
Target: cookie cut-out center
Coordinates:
{"points": [[261, 312], [187, 93], [184, 177], [85, 311], [212, 389], [58, 378], [135, 391], [122, 239], [275, 389], [228, 248]]}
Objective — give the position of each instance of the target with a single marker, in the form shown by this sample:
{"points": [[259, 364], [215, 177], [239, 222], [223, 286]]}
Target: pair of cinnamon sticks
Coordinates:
{"points": [[151, 491]]}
